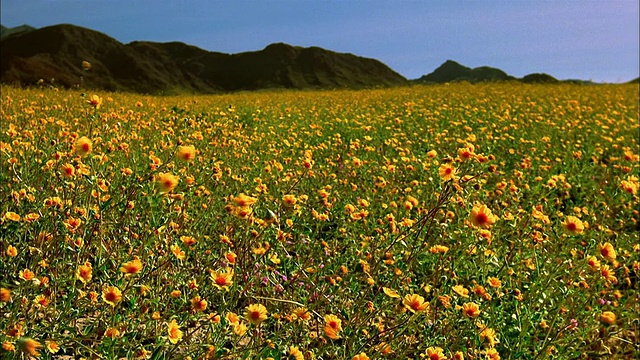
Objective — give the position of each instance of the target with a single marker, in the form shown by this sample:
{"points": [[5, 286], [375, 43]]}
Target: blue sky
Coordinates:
{"points": [[596, 40]]}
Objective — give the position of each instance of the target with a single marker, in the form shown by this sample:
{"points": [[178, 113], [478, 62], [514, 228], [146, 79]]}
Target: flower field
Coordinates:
{"points": [[440, 222]]}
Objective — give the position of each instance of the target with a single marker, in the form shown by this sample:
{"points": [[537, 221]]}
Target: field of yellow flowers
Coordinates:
{"points": [[442, 222]]}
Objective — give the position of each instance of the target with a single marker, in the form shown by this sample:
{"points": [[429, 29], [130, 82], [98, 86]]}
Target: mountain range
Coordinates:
{"points": [[55, 54]]}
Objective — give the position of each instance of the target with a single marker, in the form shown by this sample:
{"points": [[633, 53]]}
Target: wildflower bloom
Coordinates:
{"points": [[86, 65], [494, 282], [390, 293], [294, 353], [95, 101], [489, 335], [256, 313], [593, 262], [111, 295], [240, 329], [186, 153], [481, 216], [84, 273], [289, 200], [243, 200], [470, 310], [607, 251], [167, 182], [10, 215], [5, 295], [232, 318], [174, 332], [573, 225], [492, 354], [460, 290], [52, 346], [83, 146], [332, 326], [222, 279], [415, 303], [447, 172], [608, 317], [68, 170], [608, 274], [27, 275], [361, 356], [435, 353], [131, 267], [29, 346], [302, 314], [198, 304], [438, 249], [11, 251]]}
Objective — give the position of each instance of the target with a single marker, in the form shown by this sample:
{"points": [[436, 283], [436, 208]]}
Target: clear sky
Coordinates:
{"points": [[580, 39]]}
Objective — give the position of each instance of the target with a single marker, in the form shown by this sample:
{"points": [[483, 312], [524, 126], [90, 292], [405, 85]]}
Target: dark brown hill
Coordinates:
{"points": [[58, 51], [452, 71]]}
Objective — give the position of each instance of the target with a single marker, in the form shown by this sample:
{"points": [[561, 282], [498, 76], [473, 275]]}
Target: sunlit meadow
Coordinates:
{"points": [[439, 222]]}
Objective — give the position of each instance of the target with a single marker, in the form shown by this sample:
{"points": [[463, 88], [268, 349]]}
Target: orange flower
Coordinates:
{"points": [[86, 65], [294, 353], [27, 275], [302, 314], [198, 304], [460, 290], [12, 251], [593, 262], [84, 273], [289, 200], [10, 215], [52, 346], [68, 170], [482, 217], [167, 182], [175, 334], [608, 317], [83, 146], [415, 303], [112, 333], [438, 249], [494, 282], [5, 295], [492, 354], [29, 346], [573, 225], [222, 279], [111, 295], [447, 172], [188, 240], [72, 224], [243, 200], [361, 356], [435, 353], [490, 335], [186, 153], [41, 301], [332, 326], [470, 310], [95, 101], [131, 267], [256, 313], [607, 251], [231, 257], [175, 249], [608, 274], [232, 318]]}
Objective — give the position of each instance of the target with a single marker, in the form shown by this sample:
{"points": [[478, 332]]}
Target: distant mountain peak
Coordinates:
{"points": [[453, 71]]}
